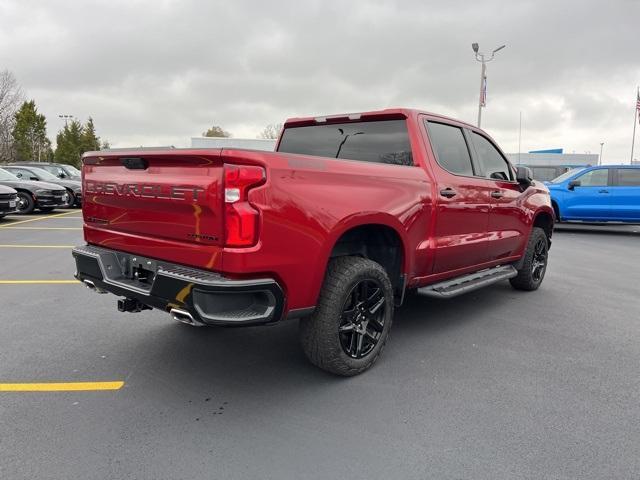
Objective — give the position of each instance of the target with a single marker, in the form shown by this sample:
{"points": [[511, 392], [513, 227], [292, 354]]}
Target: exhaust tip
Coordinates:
{"points": [[92, 286], [183, 316]]}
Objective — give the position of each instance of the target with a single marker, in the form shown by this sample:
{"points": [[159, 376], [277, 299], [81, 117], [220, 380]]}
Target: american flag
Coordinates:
{"points": [[638, 104]]}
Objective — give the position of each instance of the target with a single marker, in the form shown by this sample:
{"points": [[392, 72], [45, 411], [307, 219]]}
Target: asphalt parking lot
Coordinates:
{"points": [[494, 384]]}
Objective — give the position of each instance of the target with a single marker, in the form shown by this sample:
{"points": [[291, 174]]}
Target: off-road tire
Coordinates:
{"points": [[526, 279], [24, 197], [319, 333]]}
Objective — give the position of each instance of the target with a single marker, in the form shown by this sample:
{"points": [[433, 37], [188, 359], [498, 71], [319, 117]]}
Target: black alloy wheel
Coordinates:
{"points": [[533, 265], [349, 328], [539, 263], [362, 320]]}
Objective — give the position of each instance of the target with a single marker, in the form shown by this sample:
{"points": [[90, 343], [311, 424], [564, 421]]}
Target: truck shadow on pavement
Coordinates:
{"points": [[270, 357]]}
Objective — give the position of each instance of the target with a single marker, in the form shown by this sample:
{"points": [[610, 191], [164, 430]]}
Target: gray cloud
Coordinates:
{"points": [[160, 72]]}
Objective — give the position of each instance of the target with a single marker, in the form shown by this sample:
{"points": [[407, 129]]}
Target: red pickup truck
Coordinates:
{"points": [[349, 214]]}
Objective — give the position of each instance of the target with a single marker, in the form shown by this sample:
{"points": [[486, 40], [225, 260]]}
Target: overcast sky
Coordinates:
{"points": [[158, 72]]}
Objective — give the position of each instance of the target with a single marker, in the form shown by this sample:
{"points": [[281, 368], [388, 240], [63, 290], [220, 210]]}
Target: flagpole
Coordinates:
{"points": [[636, 118]]}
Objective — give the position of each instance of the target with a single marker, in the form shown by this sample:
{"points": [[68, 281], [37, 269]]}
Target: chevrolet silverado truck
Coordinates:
{"points": [[347, 215]]}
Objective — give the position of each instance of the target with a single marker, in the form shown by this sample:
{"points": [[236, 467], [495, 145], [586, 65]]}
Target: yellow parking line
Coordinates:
{"points": [[36, 246], [39, 218], [60, 387], [40, 228], [38, 282]]}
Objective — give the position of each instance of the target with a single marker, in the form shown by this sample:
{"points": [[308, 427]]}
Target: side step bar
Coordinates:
{"points": [[467, 283]]}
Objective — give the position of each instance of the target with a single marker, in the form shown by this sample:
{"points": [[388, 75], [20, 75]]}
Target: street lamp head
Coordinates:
{"points": [[499, 48], [475, 47]]}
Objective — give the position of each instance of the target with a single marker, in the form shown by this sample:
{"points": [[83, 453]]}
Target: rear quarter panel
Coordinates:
{"points": [[308, 202]]}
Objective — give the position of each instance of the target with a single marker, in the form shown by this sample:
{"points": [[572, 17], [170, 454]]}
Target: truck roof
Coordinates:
{"points": [[370, 115]]}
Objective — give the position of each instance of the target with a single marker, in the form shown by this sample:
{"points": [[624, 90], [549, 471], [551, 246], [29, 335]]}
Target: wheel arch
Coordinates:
{"points": [[380, 240], [556, 209], [28, 192], [545, 219]]}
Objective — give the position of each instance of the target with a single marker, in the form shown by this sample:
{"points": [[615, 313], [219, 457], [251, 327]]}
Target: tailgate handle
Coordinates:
{"points": [[134, 163]]}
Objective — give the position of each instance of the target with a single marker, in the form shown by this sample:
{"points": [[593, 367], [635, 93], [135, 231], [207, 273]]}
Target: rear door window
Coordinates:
{"points": [[384, 141], [594, 178], [629, 177], [495, 165], [450, 148]]}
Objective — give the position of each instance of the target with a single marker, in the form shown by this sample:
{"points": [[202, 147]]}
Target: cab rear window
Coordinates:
{"points": [[384, 141]]}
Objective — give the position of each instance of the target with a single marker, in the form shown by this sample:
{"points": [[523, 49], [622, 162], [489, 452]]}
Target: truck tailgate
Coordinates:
{"points": [[159, 197]]}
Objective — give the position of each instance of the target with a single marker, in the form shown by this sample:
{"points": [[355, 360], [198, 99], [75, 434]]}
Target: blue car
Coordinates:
{"points": [[608, 193]]}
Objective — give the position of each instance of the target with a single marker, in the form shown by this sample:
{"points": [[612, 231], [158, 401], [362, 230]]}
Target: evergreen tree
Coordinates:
{"points": [[30, 134], [69, 144], [75, 139], [89, 141]]}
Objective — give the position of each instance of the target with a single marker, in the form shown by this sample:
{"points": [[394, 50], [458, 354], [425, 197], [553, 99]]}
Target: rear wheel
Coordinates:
{"points": [[350, 326], [26, 204], [534, 266]]}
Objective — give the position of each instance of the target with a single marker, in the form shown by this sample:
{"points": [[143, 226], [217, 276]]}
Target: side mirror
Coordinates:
{"points": [[573, 184], [524, 176], [61, 175], [19, 175]]}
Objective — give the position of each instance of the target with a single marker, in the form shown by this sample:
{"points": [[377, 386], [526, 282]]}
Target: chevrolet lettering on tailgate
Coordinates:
{"points": [[171, 192]]}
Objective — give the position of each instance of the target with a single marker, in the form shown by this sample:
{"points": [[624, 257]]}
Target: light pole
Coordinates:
{"points": [[600, 157], [480, 57], [66, 118]]}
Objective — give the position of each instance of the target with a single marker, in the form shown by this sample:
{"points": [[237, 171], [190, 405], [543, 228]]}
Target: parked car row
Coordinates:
{"points": [[608, 193], [31, 194], [36, 174]]}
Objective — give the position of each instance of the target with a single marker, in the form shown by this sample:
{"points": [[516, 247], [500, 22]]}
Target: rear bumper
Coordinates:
{"points": [[208, 297]]}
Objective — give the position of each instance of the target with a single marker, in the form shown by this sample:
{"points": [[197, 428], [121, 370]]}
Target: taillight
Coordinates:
{"points": [[242, 221]]}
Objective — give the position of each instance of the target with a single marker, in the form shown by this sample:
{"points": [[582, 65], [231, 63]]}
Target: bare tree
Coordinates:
{"points": [[271, 131], [11, 97]]}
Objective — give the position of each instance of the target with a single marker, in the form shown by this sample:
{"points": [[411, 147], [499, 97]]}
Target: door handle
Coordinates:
{"points": [[497, 194], [448, 192], [603, 191]]}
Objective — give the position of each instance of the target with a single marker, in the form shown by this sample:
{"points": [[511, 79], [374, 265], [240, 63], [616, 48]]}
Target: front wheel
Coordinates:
{"points": [[71, 200], [534, 266], [350, 326], [25, 203]]}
